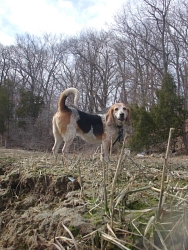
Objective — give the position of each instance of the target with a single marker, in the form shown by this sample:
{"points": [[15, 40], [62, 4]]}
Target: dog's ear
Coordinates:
{"points": [[110, 118], [128, 118]]}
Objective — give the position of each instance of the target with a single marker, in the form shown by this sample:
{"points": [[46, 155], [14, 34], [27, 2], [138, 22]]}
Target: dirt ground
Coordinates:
{"points": [[68, 205]]}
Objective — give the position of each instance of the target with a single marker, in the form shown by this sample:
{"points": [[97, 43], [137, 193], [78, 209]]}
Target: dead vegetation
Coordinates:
{"points": [[85, 204]]}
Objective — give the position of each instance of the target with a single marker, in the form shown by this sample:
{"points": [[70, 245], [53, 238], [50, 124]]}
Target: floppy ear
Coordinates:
{"points": [[110, 118], [128, 119]]}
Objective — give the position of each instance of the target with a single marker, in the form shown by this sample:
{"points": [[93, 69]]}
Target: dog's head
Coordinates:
{"points": [[118, 114]]}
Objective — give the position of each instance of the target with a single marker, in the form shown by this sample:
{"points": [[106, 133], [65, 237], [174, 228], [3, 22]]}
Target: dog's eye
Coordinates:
{"points": [[124, 108], [116, 109]]}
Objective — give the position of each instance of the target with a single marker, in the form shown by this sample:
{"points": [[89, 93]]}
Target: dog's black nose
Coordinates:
{"points": [[122, 116]]}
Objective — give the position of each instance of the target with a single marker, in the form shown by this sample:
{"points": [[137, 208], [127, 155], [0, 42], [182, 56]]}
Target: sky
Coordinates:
{"points": [[67, 17]]}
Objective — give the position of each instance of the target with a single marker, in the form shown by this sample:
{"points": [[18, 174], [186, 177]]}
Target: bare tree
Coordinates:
{"points": [[144, 47], [97, 72], [5, 63], [178, 31]]}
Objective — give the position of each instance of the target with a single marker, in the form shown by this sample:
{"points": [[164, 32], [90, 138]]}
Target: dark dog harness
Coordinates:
{"points": [[120, 135]]}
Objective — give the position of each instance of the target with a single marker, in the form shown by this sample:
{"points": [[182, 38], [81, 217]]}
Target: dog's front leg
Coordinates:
{"points": [[105, 149]]}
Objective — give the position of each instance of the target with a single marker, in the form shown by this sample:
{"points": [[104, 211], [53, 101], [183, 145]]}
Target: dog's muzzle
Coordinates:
{"points": [[121, 117]]}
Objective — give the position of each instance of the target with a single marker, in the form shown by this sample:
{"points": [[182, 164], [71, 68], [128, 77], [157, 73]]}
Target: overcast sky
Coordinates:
{"points": [[68, 17]]}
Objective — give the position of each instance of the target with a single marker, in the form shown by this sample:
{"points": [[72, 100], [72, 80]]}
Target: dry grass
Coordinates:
{"points": [[121, 199]]}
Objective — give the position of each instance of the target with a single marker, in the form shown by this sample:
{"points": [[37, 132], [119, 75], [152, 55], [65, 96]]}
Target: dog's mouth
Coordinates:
{"points": [[121, 118]]}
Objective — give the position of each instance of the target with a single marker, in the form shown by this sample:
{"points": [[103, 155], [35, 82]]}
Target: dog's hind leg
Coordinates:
{"points": [[68, 139], [57, 144], [66, 147]]}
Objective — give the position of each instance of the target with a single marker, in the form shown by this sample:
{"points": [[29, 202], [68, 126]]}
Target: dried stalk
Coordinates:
{"points": [[111, 231], [163, 176], [125, 192], [185, 231], [175, 227], [104, 186], [80, 182], [150, 223], [58, 245], [90, 234], [114, 241], [161, 238], [138, 235], [171, 195], [72, 240], [97, 205], [114, 182]]}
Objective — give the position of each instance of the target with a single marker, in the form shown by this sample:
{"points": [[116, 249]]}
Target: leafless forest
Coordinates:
{"points": [[124, 63]]}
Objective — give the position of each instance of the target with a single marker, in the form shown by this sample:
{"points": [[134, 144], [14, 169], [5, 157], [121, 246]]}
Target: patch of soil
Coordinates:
{"points": [[36, 201]]}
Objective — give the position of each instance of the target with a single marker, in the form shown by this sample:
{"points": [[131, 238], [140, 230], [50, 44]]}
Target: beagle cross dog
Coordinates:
{"points": [[69, 122]]}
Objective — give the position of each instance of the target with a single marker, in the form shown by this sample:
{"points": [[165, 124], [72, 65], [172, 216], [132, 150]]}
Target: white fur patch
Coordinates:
{"points": [[75, 114], [71, 129]]}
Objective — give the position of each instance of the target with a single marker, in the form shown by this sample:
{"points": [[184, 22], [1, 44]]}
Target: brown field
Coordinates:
{"points": [[84, 204]]}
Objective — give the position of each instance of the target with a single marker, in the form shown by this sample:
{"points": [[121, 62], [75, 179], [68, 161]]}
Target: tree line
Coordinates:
{"points": [[127, 62]]}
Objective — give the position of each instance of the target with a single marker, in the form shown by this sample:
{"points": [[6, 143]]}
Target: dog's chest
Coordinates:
{"points": [[111, 132]]}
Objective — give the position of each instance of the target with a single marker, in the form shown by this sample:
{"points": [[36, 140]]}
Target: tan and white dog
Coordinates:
{"points": [[69, 122]]}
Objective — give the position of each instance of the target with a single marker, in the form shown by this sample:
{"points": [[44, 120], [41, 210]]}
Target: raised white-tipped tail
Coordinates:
{"points": [[65, 94]]}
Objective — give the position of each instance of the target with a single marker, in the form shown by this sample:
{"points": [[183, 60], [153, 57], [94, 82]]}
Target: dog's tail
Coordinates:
{"points": [[65, 94]]}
